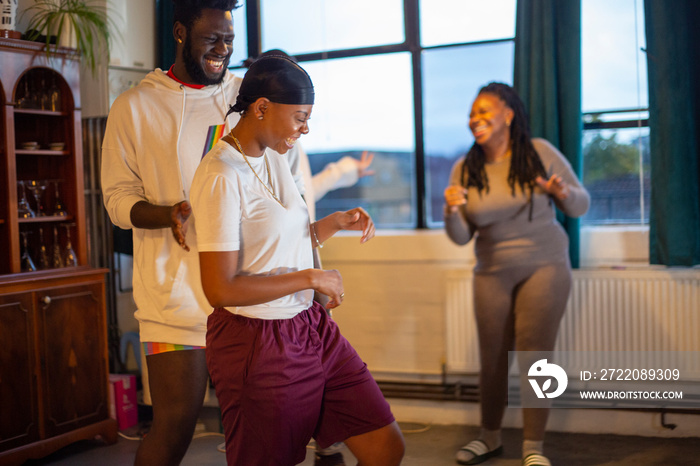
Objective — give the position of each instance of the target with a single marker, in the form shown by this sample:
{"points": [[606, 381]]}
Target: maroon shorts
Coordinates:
{"points": [[281, 382]]}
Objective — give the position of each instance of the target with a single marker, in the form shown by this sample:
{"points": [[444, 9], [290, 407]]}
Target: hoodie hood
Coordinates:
{"points": [[162, 131], [159, 79]]}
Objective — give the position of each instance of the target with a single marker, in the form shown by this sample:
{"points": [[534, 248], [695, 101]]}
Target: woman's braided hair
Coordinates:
{"points": [[525, 164]]}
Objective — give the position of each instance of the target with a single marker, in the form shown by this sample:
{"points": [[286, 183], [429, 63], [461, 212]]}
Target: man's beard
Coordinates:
{"points": [[194, 69]]}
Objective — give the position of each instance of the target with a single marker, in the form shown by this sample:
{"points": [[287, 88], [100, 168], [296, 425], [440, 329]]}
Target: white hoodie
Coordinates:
{"points": [[156, 136]]}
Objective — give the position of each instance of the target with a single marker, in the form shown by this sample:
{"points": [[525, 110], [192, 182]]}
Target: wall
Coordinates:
{"points": [[134, 51], [395, 297], [134, 37], [22, 19], [394, 309]]}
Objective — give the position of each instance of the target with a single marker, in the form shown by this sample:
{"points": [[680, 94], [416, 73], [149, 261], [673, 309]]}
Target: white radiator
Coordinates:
{"points": [[608, 310]]}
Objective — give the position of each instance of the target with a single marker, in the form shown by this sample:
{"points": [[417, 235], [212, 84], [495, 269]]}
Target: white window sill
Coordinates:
{"points": [[601, 246], [614, 246]]}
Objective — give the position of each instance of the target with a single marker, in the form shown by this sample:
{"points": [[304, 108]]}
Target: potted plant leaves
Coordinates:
{"points": [[79, 24]]}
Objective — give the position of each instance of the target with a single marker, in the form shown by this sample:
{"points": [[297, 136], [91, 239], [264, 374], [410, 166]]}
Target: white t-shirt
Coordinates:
{"points": [[233, 211]]}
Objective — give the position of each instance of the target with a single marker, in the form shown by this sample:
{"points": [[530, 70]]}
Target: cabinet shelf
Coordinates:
{"points": [[25, 281], [41, 152], [46, 273], [47, 219], [35, 111]]}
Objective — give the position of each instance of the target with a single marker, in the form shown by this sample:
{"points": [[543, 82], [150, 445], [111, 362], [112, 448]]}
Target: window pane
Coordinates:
{"points": [[614, 77], [240, 40], [305, 26], [614, 73], [459, 21], [451, 78], [366, 103], [611, 175]]}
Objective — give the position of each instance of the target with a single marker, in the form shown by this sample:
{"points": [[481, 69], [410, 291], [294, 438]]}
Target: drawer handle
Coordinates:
{"points": [[46, 300]]}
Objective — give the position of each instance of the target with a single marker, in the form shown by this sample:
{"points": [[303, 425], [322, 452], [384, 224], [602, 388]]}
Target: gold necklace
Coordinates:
{"points": [[271, 188]]}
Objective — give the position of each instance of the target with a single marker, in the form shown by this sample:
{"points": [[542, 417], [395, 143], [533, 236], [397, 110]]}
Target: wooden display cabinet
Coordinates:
{"points": [[54, 387]]}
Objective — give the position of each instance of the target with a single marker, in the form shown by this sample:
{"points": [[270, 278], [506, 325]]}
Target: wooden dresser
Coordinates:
{"points": [[54, 387]]}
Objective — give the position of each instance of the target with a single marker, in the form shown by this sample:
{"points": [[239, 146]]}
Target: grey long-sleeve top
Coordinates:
{"points": [[500, 221]]}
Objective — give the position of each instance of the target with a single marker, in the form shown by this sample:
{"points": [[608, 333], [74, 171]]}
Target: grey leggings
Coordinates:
{"points": [[518, 308]]}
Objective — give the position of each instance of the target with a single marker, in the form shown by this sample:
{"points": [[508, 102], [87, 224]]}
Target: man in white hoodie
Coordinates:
{"points": [[156, 136]]}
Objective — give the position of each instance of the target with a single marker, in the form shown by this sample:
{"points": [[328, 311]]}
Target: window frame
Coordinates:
{"points": [[412, 45]]}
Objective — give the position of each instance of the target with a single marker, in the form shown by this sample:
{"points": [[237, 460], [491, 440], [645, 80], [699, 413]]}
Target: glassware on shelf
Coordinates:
{"points": [[33, 98], [70, 258], [37, 187], [44, 96], [43, 253], [26, 260], [23, 208], [54, 96], [22, 101], [59, 208], [56, 259], [27, 100]]}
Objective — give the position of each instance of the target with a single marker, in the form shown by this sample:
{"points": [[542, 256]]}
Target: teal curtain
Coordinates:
{"points": [[165, 43], [673, 63], [547, 75]]}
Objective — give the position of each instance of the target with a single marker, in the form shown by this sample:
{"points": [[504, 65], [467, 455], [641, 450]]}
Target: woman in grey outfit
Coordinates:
{"points": [[503, 193]]}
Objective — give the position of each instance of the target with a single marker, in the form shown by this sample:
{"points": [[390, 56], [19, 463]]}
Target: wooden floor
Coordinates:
{"points": [[431, 446]]}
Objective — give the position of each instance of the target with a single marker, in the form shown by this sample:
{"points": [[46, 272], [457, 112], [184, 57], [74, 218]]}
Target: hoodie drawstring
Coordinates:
{"points": [[225, 107], [183, 88], [177, 143]]}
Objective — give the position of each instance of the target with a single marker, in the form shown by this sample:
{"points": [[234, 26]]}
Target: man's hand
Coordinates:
{"points": [[179, 215]]}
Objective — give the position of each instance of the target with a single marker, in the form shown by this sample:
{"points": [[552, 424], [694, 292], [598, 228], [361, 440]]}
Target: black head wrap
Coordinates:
{"points": [[278, 78]]}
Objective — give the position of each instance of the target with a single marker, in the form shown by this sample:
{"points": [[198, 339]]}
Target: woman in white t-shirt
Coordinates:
{"points": [[283, 373]]}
